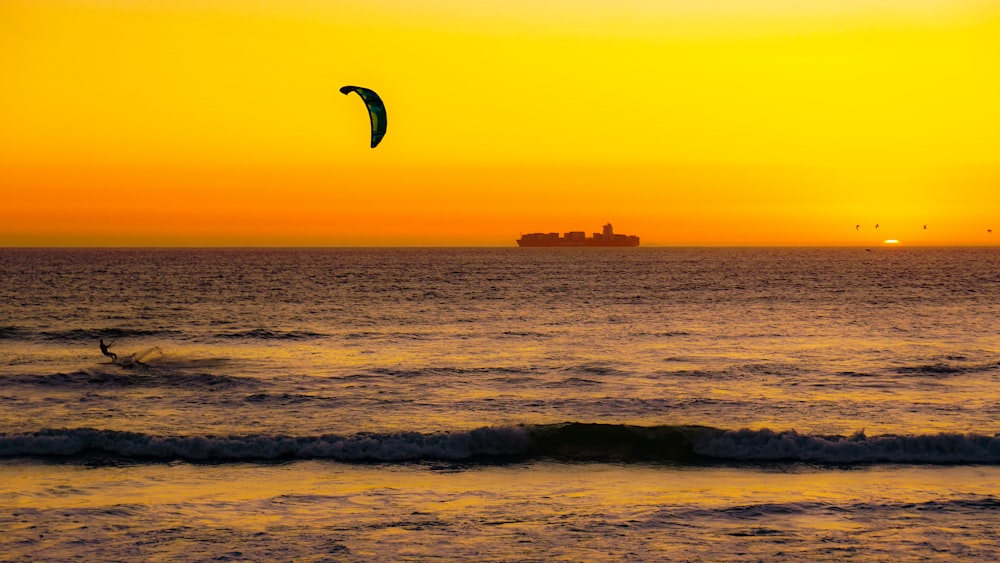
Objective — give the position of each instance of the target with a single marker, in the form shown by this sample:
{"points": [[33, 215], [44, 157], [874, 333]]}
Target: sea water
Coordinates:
{"points": [[500, 404]]}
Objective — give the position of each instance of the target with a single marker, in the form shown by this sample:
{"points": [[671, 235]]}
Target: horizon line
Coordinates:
{"points": [[878, 244]]}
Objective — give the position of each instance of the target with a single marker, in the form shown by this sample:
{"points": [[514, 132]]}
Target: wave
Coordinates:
{"points": [[596, 369], [12, 332], [524, 333], [767, 445], [572, 441], [974, 504], [403, 446], [266, 334], [142, 377], [945, 369], [87, 334], [449, 371], [93, 334]]}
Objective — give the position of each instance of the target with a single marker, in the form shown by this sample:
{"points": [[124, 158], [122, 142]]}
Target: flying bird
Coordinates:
{"points": [[876, 225], [857, 227], [925, 227]]}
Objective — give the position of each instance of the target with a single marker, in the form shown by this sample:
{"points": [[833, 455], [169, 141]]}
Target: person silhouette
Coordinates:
{"points": [[104, 350]]}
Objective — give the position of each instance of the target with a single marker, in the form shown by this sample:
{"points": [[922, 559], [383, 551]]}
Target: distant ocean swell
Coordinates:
{"points": [[568, 441]]}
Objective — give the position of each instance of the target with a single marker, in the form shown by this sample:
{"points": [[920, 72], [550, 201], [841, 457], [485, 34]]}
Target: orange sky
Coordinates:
{"points": [[725, 122]]}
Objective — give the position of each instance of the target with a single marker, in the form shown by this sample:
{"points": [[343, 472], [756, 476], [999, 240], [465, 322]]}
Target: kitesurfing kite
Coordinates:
{"points": [[376, 110]]}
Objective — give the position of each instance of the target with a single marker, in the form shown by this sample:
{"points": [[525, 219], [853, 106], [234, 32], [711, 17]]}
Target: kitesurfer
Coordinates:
{"points": [[104, 350]]}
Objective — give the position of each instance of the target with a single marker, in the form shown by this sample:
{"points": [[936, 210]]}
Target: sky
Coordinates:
{"points": [[718, 122]]}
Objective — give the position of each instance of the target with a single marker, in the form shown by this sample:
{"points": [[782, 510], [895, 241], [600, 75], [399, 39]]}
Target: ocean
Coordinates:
{"points": [[500, 404]]}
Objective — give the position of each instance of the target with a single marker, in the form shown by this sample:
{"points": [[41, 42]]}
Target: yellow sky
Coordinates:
{"points": [[739, 122]]}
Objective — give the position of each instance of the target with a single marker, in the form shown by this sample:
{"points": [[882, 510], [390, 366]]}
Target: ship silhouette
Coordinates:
{"points": [[579, 238]]}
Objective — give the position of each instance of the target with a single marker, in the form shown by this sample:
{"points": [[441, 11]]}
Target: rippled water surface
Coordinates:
{"points": [[455, 402]]}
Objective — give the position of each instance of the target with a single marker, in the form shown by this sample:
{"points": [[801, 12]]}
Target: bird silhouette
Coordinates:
{"points": [[857, 227], [925, 227], [876, 225]]}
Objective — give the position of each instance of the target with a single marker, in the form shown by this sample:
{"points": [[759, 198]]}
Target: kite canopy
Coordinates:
{"points": [[376, 110]]}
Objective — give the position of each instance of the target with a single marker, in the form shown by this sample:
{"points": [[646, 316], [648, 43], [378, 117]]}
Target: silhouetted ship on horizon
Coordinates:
{"points": [[579, 238]]}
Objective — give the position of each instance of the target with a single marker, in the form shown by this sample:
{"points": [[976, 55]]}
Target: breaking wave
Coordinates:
{"points": [[568, 441], [402, 446]]}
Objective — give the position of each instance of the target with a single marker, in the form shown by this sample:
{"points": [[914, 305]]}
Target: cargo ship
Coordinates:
{"points": [[579, 238]]}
